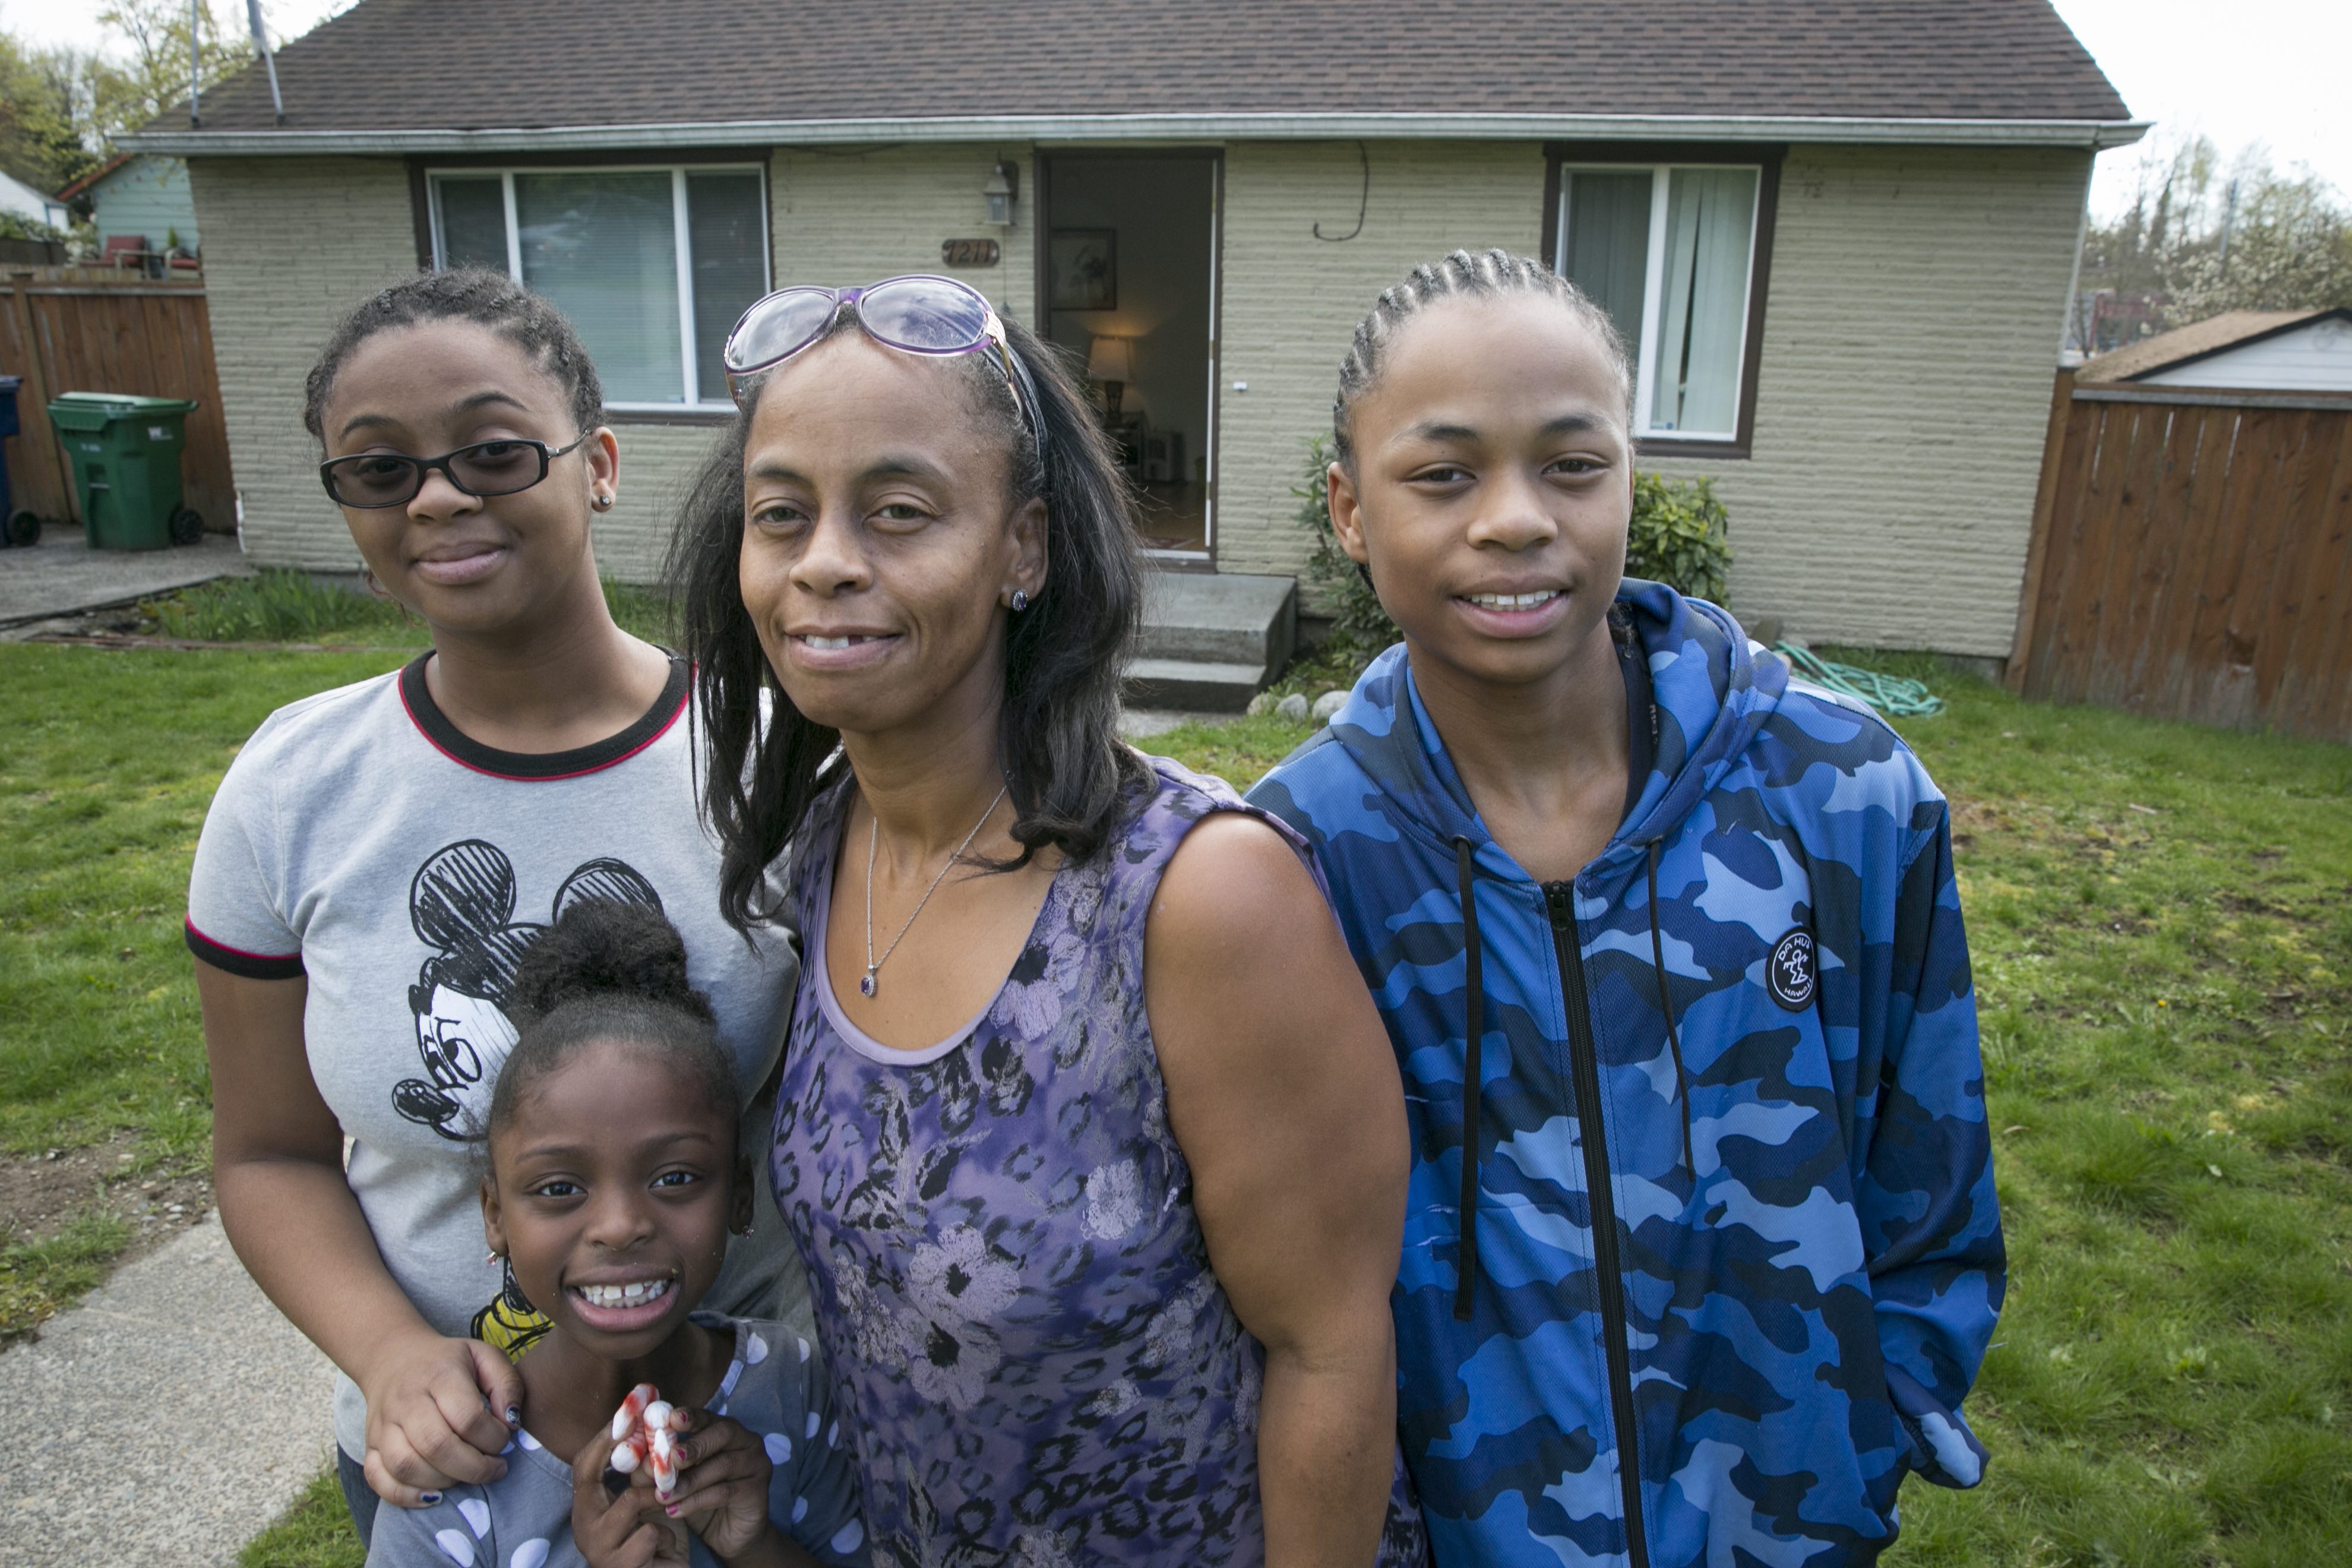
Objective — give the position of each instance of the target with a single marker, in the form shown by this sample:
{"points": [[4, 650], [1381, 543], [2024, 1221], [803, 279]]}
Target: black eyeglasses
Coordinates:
{"points": [[485, 468]]}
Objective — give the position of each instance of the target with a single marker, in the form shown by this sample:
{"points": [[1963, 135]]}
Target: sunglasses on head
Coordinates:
{"points": [[918, 314]]}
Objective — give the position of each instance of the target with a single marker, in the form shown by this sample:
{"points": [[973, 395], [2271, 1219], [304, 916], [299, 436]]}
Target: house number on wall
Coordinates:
{"points": [[969, 252]]}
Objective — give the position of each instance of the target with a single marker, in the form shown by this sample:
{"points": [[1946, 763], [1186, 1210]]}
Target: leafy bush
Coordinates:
{"points": [[16, 226], [1357, 622], [1679, 535]]}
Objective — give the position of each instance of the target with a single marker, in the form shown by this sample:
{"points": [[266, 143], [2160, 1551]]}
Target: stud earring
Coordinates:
{"points": [[602, 502], [1020, 601]]}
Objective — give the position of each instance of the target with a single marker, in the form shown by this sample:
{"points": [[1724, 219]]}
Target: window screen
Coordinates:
{"points": [[1703, 317], [731, 265], [1668, 254], [603, 248], [474, 223], [652, 304], [1608, 244]]}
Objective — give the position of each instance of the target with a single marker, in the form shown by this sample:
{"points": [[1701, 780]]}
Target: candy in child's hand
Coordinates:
{"points": [[624, 1456], [631, 1407], [661, 1451]]}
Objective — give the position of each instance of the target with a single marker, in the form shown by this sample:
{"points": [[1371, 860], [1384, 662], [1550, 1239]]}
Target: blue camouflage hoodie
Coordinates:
{"points": [[1734, 1249]]}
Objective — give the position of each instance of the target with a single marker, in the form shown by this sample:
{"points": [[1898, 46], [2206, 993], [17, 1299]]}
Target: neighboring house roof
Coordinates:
{"points": [[427, 75], [2199, 340], [17, 196], [95, 175]]}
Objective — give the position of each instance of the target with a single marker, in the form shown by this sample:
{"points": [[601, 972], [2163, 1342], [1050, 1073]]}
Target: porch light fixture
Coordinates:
{"points": [[1112, 363], [1003, 185]]}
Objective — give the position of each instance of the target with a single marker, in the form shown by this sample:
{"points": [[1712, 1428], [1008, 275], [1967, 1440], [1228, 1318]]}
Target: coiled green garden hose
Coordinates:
{"points": [[1892, 695]]}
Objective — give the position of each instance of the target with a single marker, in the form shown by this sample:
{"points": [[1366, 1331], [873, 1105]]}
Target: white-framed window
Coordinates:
{"points": [[651, 264], [1669, 251]]}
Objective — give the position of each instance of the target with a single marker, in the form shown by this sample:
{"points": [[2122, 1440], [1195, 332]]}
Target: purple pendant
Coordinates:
{"points": [[866, 986]]}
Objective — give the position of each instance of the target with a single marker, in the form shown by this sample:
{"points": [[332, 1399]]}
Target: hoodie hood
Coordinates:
{"points": [[1713, 691]]}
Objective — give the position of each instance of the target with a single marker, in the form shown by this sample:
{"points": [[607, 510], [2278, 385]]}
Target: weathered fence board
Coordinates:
{"points": [[64, 331], [2192, 558]]}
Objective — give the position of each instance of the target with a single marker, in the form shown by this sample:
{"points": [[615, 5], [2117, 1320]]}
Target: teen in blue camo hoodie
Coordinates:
{"points": [[1735, 1252]]}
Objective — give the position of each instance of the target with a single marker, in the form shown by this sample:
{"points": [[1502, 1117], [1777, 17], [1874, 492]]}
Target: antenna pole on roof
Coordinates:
{"points": [[261, 42], [195, 64]]}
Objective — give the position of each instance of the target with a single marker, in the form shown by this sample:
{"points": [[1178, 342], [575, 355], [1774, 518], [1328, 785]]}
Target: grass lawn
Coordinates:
{"points": [[2161, 918]]}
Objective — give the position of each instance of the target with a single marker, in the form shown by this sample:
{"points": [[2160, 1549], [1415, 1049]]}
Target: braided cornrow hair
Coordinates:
{"points": [[474, 294], [1488, 273]]}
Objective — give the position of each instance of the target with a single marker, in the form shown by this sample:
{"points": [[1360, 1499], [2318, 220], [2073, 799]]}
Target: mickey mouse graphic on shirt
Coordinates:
{"points": [[462, 905]]}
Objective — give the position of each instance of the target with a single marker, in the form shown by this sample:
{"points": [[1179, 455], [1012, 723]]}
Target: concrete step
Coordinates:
{"points": [[1193, 684], [1219, 618]]}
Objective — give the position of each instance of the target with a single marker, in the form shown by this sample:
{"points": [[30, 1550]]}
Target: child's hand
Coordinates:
{"points": [[723, 1472], [623, 1527]]}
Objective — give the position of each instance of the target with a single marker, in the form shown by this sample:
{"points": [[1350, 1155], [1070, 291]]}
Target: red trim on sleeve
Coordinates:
{"points": [[237, 960]]}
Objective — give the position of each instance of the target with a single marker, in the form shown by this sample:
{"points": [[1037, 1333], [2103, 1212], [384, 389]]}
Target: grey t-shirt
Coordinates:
{"points": [[524, 1518], [362, 842]]}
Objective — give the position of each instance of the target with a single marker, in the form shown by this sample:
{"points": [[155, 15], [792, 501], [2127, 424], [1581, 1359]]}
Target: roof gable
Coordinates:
{"points": [[96, 177], [420, 65], [2198, 341]]}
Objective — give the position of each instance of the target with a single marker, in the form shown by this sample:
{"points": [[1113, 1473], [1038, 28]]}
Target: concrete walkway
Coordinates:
{"points": [[62, 574], [167, 1420]]}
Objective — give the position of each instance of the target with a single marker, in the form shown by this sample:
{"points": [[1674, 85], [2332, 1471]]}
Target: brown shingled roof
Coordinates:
{"points": [[455, 65], [2193, 342]]}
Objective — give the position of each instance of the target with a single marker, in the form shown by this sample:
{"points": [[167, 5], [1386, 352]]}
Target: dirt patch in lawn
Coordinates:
{"points": [[40, 1193]]}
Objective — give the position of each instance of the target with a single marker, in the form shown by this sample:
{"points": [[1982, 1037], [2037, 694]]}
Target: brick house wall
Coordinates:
{"points": [[1915, 306], [856, 216], [1915, 301], [1918, 296], [1292, 301], [291, 244]]}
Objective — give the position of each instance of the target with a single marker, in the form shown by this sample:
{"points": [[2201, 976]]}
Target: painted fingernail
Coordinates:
{"points": [[673, 1511], [430, 1496], [514, 1414]]}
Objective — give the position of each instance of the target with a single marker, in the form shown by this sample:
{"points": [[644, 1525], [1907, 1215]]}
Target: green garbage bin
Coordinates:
{"points": [[125, 453]]}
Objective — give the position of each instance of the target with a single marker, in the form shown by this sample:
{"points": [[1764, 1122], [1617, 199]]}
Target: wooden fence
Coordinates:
{"points": [[2191, 557], [96, 332]]}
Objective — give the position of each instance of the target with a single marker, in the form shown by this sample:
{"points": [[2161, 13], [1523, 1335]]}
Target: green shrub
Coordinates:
{"points": [[1679, 535], [1358, 623], [16, 226]]}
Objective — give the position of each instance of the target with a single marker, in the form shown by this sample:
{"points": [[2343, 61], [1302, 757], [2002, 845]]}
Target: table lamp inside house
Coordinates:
{"points": [[1112, 363]]}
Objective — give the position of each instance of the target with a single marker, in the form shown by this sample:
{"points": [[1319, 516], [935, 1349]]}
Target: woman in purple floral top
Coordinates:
{"points": [[1087, 1129]]}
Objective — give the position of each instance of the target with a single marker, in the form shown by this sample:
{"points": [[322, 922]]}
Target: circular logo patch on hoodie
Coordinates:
{"points": [[1789, 972]]}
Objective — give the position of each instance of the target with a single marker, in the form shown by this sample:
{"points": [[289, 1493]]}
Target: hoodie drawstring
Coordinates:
{"points": [[1666, 1006], [1475, 1024]]}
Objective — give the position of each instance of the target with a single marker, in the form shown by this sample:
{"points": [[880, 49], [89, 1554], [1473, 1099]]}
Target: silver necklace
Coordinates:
{"points": [[868, 986]]}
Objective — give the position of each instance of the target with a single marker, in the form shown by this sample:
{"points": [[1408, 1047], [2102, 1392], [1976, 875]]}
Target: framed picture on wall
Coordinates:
{"points": [[1085, 263]]}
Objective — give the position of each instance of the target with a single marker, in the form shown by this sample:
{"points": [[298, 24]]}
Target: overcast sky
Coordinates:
{"points": [[2241, 71]]}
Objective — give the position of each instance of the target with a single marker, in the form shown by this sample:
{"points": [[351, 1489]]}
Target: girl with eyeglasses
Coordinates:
{"points": [[1086, 1129], [379, 859]]}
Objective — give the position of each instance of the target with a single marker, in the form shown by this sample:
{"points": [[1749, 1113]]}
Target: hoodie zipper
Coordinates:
{"points": [[1584, 1065]]}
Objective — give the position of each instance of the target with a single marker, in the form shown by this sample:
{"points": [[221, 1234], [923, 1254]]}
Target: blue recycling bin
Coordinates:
{"points": [[17, 526]]}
